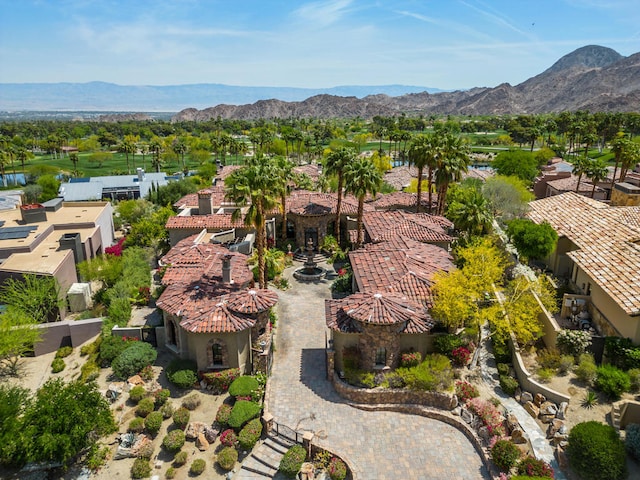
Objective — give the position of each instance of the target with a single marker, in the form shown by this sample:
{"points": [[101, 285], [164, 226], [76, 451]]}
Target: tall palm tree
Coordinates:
{"points": [[424, 152], [453, 161], [252, 185], [596, 171], [335, 164], [179, 146], [580, 165], [156, 147], [127, 147], [362, 177], [285, 175], [472, 214]]}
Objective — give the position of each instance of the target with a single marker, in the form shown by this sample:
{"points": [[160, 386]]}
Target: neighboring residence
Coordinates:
{"points": [[401, 177], [389, 313], [403, 201], [51, 238], [570, 184], [112, 187], [598, 251], [212, 315]]}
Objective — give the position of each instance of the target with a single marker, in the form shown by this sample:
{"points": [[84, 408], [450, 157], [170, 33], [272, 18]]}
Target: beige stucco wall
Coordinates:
{"points": [[238, 348], [340, 342], [619, 198]]}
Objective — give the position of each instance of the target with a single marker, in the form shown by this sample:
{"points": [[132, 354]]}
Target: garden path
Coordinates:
{"points": [[377, 445]]}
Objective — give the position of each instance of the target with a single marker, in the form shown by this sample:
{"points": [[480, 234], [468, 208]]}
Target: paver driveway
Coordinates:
{"points": [[377, 445]]}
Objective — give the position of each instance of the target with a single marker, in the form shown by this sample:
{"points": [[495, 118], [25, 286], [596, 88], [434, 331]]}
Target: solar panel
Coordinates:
{"points": [[1, 223], [10, 233]]}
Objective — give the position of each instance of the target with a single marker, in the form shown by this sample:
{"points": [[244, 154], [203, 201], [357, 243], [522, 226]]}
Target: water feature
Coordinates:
{"points": [[310, 271]]}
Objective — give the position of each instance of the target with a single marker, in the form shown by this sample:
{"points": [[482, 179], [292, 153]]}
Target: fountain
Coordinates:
{"points": [[310, 270]]}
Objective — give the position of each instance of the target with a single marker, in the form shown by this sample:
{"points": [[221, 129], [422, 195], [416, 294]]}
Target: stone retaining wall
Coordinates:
{"points": [[371, 396]]}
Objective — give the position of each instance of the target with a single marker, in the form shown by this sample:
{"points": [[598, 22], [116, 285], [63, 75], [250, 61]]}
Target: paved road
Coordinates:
{"points": [[378, 445]]}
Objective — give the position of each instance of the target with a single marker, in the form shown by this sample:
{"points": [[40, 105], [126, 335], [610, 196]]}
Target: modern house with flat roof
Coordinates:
{"points": [[112, 187]]}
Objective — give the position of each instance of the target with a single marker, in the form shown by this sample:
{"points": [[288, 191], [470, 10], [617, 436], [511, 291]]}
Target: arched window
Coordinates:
{"points": [[172, 334], [216, 351], [217, 354], [381, 357]]}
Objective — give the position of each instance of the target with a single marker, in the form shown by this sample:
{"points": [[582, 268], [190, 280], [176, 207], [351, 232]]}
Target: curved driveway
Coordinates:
{"points": [[377, 445]]}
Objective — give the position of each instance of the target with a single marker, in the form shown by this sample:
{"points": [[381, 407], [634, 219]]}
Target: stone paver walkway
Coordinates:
{"points": [[377, 445]]}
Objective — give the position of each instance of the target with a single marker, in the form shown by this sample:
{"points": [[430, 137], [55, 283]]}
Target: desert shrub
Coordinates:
{"points": [[632, 440], [153, 422], [161, 396], [466, 391], [141, 468], [228, 438], [433, 374], [566, 363], [612, 381], [90, 370], [167, 410], [192, 402], [410, 359], [197, 466], [622, 353], [549, 358], [119, 311], [136, 425], [505, 454], [501, 351], [243, 386], [57, 365], [488, 415], [134, 359], [146, 451], [170, 473], [182, 373], [532, 467], [180, 458], [596, 452], [111, 347], [573, 342], [460, 356], [634, 378], [292, 460], [359, 378], [242, 412], [173, 441], [137, 393], [508, 384], [97, 456], [223, 413], [91, 348], [250, 434], [64, 352], [337, 469], [227, 458], [586, 370], [503, 369], [546, 374], [145, 407], [147, 373], [445, 344], [181, 417], [220, 381]]}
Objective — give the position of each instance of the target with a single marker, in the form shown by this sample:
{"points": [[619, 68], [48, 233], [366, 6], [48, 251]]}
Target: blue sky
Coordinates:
{"points": [[448, 44]]}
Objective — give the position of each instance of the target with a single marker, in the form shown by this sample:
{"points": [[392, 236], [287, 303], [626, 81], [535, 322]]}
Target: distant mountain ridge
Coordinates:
{"points": [[110, 97], [590, 78]]}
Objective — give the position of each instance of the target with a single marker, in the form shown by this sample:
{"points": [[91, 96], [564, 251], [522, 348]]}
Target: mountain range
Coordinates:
{"points": [[590, 78]]}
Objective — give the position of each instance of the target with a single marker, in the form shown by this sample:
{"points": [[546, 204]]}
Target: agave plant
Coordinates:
{"points": [[590, 399]]}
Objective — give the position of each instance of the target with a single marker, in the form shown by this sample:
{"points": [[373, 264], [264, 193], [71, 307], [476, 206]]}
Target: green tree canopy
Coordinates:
{"points": [[507, 195], [17, 337], [517, 163], [533, 241], [38, 297]]}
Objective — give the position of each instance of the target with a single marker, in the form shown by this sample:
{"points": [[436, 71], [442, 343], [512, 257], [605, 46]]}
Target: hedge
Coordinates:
{"points": [[242, 412]]}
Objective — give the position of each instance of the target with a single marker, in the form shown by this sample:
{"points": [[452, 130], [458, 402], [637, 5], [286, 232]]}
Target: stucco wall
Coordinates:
{"points": [[77, 332], [238, 348]]}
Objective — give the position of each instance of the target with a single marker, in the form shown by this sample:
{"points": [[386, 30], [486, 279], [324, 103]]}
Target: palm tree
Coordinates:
{"points": [[580, 165], [453, 161], [252, 185], [362, 177], [180, 147], [597, 171], [155, 147], [22, 156], [285, 175], [424, 152], [128, 146], [335, 164], [471, 214]]}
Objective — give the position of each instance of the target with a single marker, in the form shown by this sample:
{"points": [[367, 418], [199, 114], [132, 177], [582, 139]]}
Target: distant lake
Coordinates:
{"points": [[7, 180]]}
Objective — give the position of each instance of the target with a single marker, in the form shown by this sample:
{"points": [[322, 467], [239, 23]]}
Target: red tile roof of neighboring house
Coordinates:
{"points": [[252, 301], [225, 171], [310, 170], [569, 184], [480, 174], [402, 200], [400, 177], [382, 225], [303, 202], [190, 200], [607, 239], [217, 318], [212, 221]]}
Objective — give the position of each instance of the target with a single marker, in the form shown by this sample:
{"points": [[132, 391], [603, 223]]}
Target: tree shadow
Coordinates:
{"points": [[313, 374]]}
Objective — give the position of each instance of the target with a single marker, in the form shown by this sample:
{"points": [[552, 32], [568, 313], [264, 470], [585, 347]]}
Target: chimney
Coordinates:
{"points": [[226, 269], [72, 241], [204, 202], [33, 213], [140, 174]]}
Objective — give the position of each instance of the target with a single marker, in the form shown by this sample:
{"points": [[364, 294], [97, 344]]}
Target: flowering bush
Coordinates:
{"points": [[488, 414], [116, 250], [410, 359], [250, 434], [505, 454], [228, 438], [466, 391], [227, 458], [337, 469], [220, 381], [532, 467], [223, 414], [460, 356], [573, 342]]}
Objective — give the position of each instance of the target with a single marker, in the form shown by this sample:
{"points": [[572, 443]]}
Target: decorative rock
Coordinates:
{"points": [[559, 437], [466, 415], [114, 390], [201, 442], [562, 411], [203, 385], [518, 394], [539, 399], [518, 436], [526, 397], [548, 408], [307, 471], [484, 434], [135, 380], [563, 461], [554, 427], [547, 418], [532, 409], [210, 434], [456, 411], [512, 422], [194, 429]]}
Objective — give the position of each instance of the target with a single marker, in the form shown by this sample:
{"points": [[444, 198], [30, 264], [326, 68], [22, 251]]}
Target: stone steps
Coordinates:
{"points": [[615, 415], [318, 257], [264, 461]]}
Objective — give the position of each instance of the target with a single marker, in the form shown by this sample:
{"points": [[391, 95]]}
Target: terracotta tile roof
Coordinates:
{"points": [[422, 227], [189, 200], [400, 177], [480, 174], [402, 200], [311, 171], [303, 202], [252, 301], [385, 308], [400, 265], [225, 171], [569, 184], [213, 221], [607, 240], [207, 318]]}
